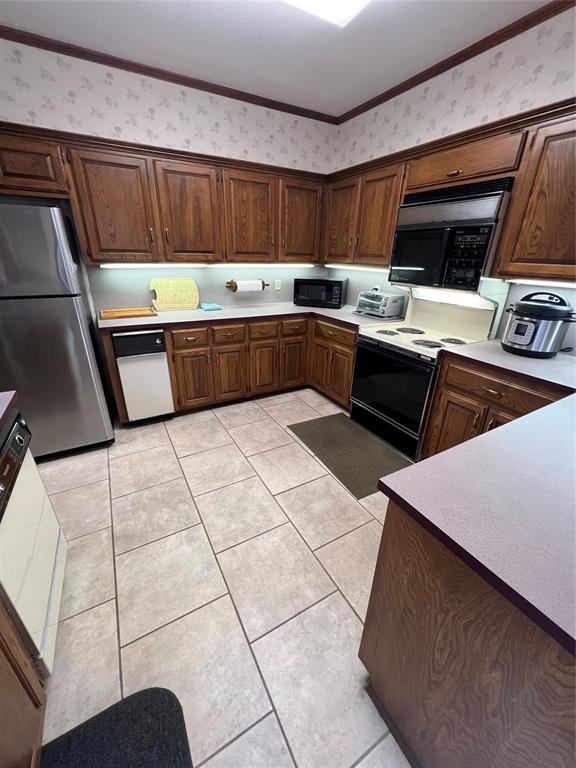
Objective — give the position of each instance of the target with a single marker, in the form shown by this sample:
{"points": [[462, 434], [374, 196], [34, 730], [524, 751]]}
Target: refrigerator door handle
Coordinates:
{"points": [[66, 266]]}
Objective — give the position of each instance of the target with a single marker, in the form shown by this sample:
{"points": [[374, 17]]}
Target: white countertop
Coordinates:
{"points": [[557, 370], [346, 314]]}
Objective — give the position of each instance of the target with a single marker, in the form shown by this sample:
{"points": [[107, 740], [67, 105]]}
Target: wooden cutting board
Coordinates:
{"points": [[119, 314], [174, 293]]}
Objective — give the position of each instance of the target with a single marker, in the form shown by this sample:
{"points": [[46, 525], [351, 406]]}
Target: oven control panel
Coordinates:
{"points": [[11, 457], [466, 257]]}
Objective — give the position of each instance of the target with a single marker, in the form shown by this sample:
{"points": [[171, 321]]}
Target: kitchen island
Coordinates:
{"points": [[470, 632]]}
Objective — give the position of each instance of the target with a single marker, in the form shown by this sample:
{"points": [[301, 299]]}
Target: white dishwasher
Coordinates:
{"points": [[143, 368]]}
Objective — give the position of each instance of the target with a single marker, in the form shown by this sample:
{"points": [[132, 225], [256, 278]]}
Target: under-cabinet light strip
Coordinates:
{"points": [[227, 265], [547, 283], [357, 268]]}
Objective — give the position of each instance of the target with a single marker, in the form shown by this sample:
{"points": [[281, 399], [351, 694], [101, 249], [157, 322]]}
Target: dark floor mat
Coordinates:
{"points": [[357, 457], [145, 730]]}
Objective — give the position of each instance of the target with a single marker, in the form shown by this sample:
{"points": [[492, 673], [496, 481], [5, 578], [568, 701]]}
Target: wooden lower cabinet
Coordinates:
{"points": [[22, 701], [195, 383], [320, 365], [264, 366], [332, 362], [293, 362], [230, 373], [471, 398], [341, 370]]}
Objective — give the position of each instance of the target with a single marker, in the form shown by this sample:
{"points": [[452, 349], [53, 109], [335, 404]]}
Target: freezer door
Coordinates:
{"points": [[35, 256], [46, 355]]}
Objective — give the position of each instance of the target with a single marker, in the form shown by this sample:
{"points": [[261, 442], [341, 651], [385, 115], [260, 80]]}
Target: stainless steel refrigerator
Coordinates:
{"points": [[46, 352]]}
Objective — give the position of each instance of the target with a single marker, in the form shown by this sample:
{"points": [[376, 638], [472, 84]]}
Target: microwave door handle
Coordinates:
{"points": [[444, 265]]}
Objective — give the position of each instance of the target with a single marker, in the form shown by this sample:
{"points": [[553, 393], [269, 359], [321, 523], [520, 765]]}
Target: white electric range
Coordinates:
{"points": [[421, 342]]}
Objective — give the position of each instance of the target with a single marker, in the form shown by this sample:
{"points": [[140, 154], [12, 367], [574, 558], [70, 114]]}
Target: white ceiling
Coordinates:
{"points": [[270, 48]]}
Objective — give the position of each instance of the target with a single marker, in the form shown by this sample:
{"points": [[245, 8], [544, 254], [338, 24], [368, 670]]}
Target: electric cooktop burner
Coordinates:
{"points": [[427, 343], [388, 333], [409, 330], [453, 341]]}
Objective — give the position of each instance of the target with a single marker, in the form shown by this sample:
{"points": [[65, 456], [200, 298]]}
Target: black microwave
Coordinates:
{"points": [[320, 292]]}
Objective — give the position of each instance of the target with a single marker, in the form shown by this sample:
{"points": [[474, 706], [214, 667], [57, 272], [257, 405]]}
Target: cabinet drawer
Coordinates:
{"points": [[229, 334], [507, 395], [294, 327], [334, 333], [267, 330], [190, 338], [478, 158]]}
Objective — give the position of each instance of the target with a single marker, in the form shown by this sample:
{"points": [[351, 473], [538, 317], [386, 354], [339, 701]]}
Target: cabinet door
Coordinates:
{"points": [[190, 211], [195, 383], [264, 366], [118, 206], [341, 371], [380, 194], [300, 211], [340, 223], [293, 362], [230, 373], [320, 364], [539, 238], [250, 202], [496, 419], [458, 419], [31, 165]]}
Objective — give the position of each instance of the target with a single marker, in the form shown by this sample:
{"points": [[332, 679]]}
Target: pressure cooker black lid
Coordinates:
{"points": [[544, 305]]}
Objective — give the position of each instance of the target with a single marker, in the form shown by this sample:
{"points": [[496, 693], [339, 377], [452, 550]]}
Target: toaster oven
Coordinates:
{"points": [[387, 305]]}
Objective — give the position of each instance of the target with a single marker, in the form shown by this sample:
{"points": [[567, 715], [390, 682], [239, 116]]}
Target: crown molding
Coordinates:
{"points": [[87, 54]]}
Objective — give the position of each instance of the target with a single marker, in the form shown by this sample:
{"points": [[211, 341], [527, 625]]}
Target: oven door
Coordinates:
{"points": [[392, 385], [419, 255]]}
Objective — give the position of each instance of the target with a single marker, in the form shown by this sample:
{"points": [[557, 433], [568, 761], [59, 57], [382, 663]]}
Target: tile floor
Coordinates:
{"points": [[214, 555]]}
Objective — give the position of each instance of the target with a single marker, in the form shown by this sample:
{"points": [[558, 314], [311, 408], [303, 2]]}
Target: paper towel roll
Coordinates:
{"points": [[242, 286]]}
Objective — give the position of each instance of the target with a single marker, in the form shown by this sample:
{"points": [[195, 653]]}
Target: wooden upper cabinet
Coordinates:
{"points": [[380, 194], [250, 203], [31, 165], [539, 236], [485, 157], [190, 211], [341, 214], [118, 206], [300, 219]]}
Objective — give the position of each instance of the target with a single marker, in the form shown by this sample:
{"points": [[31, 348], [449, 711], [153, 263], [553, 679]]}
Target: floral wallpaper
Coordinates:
{"points": [[52, 91]]}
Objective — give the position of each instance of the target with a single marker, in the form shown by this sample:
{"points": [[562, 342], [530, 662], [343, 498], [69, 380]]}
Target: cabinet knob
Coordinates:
{"points": [[152, 237], [490, 425], [475, 422], [167, 234]]}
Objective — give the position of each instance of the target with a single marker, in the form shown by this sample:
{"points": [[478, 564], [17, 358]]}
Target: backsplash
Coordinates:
{"points": [[49, 90]]}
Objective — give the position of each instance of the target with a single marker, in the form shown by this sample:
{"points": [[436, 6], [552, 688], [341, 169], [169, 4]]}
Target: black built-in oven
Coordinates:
{"points": [[390, 391], [446, 238], [320, 292]]}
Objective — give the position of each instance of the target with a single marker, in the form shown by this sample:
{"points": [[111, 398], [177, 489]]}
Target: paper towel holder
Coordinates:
{"points": [[232, 285]]}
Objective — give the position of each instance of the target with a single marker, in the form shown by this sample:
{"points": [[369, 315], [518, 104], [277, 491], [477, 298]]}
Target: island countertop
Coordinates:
{"points": [[505, 503]]}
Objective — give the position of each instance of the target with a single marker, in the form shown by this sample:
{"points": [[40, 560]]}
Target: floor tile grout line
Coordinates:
{"points": [[83, 535], [174, 620], [371, 749], [264, 449], [59, 493], [159, 538], [148, 487], [299, 613], [243, 629], [239, 736], [119, 647], [221, 488], [251, 538], [341, 536], [85, 610]]}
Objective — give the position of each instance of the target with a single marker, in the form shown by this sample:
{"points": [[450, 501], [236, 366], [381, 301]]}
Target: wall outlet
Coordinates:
{"points": [[277, 285]]}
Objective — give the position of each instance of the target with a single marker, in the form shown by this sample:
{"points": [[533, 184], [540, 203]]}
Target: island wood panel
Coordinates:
{"points": [[341, 212], [539, 237], [33, 165], [380, 197], [119, 210], [230, 372], [190, 211], [463, 678], [250, 213], [496, 154], [300, 220], [22, 701]]}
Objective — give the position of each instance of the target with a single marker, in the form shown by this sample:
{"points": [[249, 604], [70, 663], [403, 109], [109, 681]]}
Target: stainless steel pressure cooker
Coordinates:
{"points": [[537, 325]]}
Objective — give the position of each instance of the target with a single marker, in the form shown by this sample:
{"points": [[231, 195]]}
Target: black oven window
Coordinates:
{"points": [[418, 256]]}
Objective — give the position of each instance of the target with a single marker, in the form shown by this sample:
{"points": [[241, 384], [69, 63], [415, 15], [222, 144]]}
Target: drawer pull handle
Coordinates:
{"points": [[490, 425], [264, 330], [331, 333], [230, 335], [190, 338], [493, 392], [456, 172], [475, 422]]}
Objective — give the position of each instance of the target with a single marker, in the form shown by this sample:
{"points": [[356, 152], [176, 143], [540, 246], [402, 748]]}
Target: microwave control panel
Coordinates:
{"points": [[466, 257]]}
